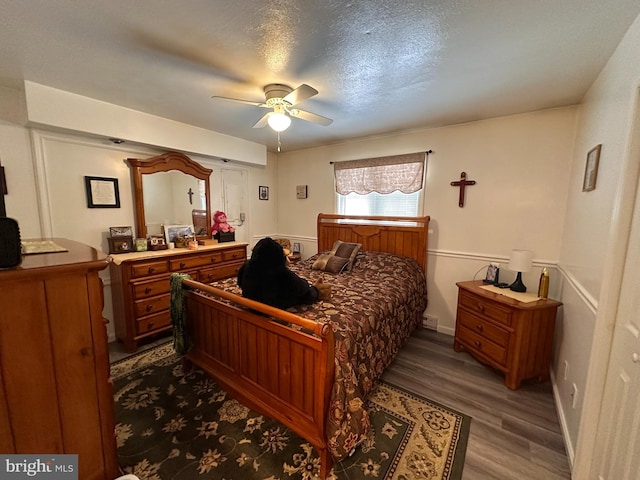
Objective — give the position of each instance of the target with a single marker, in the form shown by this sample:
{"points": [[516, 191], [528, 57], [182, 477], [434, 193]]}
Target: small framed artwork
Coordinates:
{"points": [[120, 244], [493, 271], [263, 192], [3, 180], [301, 191], [591, 169], [121, 231], [102, 192], [172, 232]]}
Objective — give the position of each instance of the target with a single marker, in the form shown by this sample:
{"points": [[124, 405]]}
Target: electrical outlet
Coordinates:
{"points": [[566, 370], [574, 396]]}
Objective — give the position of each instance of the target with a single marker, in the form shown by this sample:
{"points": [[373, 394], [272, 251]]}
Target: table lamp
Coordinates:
{"points": [[520, 261]]}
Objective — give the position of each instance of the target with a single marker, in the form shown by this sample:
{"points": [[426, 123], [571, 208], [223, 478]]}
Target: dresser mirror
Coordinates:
{"points": [[170, 189]]}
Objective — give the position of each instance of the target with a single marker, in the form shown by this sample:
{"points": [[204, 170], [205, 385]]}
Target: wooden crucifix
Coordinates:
{"points": [[190, 193], [462, 183]]}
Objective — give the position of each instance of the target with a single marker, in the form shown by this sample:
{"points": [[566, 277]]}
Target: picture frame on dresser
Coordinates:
{"points": [[173, 231]]}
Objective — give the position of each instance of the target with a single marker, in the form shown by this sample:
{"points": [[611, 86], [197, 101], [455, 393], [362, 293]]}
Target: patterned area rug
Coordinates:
{"points": [[172, 426]]}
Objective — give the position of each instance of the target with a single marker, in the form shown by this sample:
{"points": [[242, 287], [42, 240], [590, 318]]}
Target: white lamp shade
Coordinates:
{"points": [[279, 121], [521, 261]]}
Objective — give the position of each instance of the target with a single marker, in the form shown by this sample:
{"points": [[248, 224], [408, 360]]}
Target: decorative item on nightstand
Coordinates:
{"points": [[520, 261]]}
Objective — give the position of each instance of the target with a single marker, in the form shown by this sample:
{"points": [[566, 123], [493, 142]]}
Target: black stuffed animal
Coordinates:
{"points": [[266, 278]]}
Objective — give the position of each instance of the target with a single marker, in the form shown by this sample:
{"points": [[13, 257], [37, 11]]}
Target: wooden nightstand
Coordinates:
{"points": [[511, 336], [294, 257]]}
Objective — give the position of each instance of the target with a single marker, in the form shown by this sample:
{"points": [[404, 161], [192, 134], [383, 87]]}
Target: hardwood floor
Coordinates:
{"points": [[514, 434]]}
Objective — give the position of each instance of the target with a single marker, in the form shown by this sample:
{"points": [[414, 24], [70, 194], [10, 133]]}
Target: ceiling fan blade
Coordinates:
{"points": [[263, 121], [239, 100], [310, 117], [301, 93]]}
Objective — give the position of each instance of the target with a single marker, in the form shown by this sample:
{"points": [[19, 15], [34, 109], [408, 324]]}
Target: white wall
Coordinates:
{"points": [[591, 253], [521, 164]]}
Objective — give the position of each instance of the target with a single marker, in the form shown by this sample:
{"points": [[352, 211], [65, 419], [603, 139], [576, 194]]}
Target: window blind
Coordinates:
{"points": [[384, 175]]}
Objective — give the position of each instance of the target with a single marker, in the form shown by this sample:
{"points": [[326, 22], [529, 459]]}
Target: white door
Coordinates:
{"points": [[234, 195], [618, 440]]}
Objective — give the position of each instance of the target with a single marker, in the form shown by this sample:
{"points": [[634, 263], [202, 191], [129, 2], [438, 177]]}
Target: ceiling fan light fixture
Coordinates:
{"points": [[279, 121]]}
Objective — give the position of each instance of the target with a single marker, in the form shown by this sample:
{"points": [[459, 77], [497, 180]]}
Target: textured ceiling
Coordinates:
{"points": [[380, 66]]}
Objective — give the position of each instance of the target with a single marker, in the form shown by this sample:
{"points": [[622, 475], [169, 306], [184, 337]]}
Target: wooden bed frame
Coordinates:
{"points": [[276, 362]]}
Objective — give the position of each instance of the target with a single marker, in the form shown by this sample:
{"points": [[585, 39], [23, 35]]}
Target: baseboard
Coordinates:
{"points": [[563, 422]]}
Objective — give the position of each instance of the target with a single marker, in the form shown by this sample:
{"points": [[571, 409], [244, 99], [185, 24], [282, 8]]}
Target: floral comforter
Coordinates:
{"points": [[373, 309]]}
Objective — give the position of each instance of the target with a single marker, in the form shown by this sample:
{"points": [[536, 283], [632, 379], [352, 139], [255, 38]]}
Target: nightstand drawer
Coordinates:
{"points": [[483, 328], [477, 343], [485, 307]]}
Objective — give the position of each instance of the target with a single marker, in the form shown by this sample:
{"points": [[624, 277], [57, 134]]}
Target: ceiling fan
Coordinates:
{"points": [[282, 100]]}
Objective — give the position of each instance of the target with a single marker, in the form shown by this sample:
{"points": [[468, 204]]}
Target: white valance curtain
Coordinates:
{"points": [[381, 174]]}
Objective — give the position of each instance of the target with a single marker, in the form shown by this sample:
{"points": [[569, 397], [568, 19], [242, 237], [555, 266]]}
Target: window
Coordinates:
{"points": [[396, 204], [385, 186]]}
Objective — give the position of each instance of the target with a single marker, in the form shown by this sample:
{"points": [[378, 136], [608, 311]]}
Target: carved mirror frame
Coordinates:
{"points": [[164, 163]]}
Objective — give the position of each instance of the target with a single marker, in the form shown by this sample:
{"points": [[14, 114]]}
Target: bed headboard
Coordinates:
{"points": [[406, 236]]}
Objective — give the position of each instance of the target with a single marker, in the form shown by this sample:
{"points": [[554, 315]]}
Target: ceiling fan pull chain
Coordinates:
{"points": [[278, 141]]}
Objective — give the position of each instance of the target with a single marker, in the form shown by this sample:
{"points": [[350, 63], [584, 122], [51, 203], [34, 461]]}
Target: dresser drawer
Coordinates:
{"points": [[151, 289], [209, 275], [153, 322], [485, 307], [152, 305], [483, 328], [477, 343], [234, 254], [181, 264], [149, 268]]}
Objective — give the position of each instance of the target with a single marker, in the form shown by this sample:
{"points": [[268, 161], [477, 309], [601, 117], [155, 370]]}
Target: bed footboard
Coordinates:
{"points": [[273, 361]]}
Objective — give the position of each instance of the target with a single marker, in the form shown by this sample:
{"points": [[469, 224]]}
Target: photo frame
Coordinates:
{"points": [[301, 191], [3, 181], [173, 231], [102, 192], [493, 272], [263, 193], [121, 231], [591, 169]]}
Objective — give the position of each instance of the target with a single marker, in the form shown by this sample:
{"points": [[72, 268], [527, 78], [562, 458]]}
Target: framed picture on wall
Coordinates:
{"points": [[102, 192], [591, 169]]}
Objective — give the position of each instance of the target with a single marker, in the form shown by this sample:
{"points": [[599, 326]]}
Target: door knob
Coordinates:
{"points": [[635, 357]]}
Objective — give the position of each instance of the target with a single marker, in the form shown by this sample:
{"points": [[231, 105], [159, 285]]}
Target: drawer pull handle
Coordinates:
{"points": [[235, 255], [151, 270], [149, 307], [147, 290], [478, 344], [481, 307], [150, 324], [479, 327], [182, 264], [213, 260]]}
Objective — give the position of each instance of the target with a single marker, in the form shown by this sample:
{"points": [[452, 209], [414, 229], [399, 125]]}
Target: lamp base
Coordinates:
{"points": [[517, 285]]}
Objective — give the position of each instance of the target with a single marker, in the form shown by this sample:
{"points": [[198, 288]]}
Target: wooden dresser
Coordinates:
{"points": [[511, 336], [55, 395], [140, 284]]}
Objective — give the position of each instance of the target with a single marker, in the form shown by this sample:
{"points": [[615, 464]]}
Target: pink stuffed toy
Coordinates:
{"points": [[220, 223]]}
